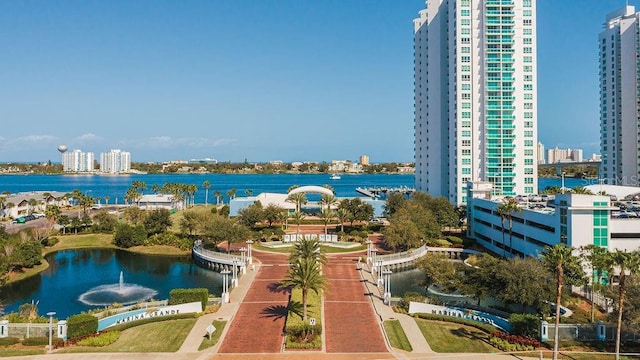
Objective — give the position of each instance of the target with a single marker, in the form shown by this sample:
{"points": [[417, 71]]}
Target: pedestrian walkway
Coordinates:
{"points": [[350, 322], [258, 324]]}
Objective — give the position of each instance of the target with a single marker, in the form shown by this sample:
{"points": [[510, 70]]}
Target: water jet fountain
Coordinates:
{"points": [[121, 293]]}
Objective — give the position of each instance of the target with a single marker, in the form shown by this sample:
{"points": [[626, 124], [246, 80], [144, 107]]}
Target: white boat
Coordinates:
{"points": [[335, 177]]}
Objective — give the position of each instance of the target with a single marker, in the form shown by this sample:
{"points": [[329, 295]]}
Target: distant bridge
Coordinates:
{"points": [[561, 165]]}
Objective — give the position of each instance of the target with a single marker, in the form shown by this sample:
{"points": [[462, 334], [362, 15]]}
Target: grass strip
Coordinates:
{"points": [[206, 342], [445, 337], [294, 318], [397, 336]]}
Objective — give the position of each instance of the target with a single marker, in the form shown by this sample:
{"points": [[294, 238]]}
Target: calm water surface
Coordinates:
{"points": [[73, 272]]}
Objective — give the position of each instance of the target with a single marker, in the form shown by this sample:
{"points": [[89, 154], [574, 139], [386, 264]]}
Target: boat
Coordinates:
{"points": [[335, 177]]}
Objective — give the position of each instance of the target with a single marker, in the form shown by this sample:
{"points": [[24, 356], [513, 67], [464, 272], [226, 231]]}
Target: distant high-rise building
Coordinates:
{"points": [[541, 154], [619, 48], [558, 155], [364, 160], [475, 97], [78, 161], [115, 161]]}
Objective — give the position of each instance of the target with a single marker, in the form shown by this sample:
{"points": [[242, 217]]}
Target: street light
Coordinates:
{"points": [[249, 256], [387, 286], [373, 261], [50, 314], [225, 285], [562, 183]]}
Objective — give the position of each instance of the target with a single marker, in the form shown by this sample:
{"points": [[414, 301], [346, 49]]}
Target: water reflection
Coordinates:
{"points": [[73, 272]]}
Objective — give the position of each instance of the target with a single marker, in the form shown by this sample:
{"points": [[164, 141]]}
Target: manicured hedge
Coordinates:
{"points": [[9, 341], [104, 339], [36, 341], [484, 327], [81, 324], [183, 296]]}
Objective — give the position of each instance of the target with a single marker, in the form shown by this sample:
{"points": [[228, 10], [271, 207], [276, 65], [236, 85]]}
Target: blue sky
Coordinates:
{"points": [[263, 80]]}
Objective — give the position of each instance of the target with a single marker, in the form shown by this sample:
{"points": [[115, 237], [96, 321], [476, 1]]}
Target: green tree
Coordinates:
{"points": [[64, 221], [600, 260], [251, 215], [232, 194], [356, 209], [127, 235], [104, 222], [328, 201], [139, 186], [439, 271], [217, 194], [393, 203], [27, 253], [52, 213], [32, 205], [76, 223], [132, 196], [567, 269], [342, 215], [306, 276], [248, 192], [297, 217], [629, 265], [299, 199], [402, 234], [524, 282], [220, 228], [506, 210], [308, 250], [206, 185], [190, 221], [134, 215], [273, 213], [480, 279], [326, 216], [157, 222]]}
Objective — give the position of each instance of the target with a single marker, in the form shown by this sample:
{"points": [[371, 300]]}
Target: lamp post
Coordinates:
{"points": [[369, 242], [225, 285], [387, 287], [234, 276], [562, 183], [249, 256], [373, 260], [50, 314], [381, 272], [243, 261]]}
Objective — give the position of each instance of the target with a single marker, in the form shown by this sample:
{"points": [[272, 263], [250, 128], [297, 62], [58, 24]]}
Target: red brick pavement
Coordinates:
{"points": [[259, 323], [350, 322]]}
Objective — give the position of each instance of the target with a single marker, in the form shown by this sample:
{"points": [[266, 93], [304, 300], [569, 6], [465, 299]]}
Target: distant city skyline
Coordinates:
{"points": [[288, 80]]}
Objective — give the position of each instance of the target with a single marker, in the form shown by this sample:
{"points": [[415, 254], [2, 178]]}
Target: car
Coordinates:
{"points": [[30, 217], [376, 220], [38, 215], [535, 197], [627, 215], [20, 220]]}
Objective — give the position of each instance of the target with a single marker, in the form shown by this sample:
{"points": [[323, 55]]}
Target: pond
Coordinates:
{"points": [[79, 280]]}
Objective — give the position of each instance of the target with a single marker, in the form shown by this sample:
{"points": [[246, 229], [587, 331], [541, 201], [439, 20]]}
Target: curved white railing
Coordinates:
{"points": [[216, 257]]}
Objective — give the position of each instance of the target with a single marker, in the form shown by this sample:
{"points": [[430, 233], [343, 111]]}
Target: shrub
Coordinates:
{"points": [[51, 241], [304, 333], [505, 345], [36, 341], [515, 339], [81, 324], [440, 242], [183, 296], [527, 325], [104, 339], [9, 341], [127, 235]]}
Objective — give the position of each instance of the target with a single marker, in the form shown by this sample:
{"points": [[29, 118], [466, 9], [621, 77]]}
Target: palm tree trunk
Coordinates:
{"points": [[304, 304], [510, 238], [620, 307], [504, 250], [556, 337]]}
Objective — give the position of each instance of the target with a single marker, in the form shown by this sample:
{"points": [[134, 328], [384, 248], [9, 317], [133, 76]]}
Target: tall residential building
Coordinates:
{"points": [[115, 161], [558, 155], [619, 45], [475, 96], [78, 161], [364, 160]]}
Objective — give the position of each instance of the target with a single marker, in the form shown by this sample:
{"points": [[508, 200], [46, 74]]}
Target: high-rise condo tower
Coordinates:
{"points": [[619, 45], [475, 97]]}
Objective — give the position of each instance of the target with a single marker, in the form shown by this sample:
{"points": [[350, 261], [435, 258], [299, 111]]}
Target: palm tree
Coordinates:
{"points": [[299, 199], [629, 264], [206, 185], [248, 192], [52, 213], [328, 201], [600, 260], [305, 275], [2, 202], [64, 221], [31, 205], [217, 195], [581, 190], [155, 188], [106, 200], [566, 267], [297, 217], [342, 215], [132, 195], [139, 185], [232, 194], [308, 249], [191, 192], [506, 210], [327, 215]]}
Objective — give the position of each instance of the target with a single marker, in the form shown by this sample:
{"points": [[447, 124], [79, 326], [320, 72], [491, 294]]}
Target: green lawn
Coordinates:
{"points": [[294, 317], [328, 249], [397, 337], [206, 343], [81, 241], [163, 336], [445, 337]]}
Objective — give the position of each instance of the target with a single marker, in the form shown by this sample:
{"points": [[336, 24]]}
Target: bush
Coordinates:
{"points": [[127, 235], [440, 243], [9, 341], [515, 339], [51, 241], [104, 339], [183, 296], [505, 345], [527, 325], [481, 326], [81, 324], [454, 240], [36, 341]]}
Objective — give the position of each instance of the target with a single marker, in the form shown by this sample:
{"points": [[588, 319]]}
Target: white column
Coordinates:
{"points": [[234, 279], [225, 286], [249, 256], [4, 328]]}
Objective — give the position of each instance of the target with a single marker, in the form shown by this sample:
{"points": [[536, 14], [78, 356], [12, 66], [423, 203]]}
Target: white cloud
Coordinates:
{"points": [[89, 137], [34, 139], [163, 142]]}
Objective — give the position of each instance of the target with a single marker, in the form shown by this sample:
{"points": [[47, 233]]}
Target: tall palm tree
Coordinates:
{"points": [[106, 199], [132, 195], [217, 195], [52, 213], [232, 194], [306, 276], [191, 191], [342, 215], [299, 199], [567, 268], [308, 249], [139, 185], [206, 185], [328, 201], [600, 260], [327, 215], [629, 264], [506, 210], [31, 205], [297, 217], [155, 188]]}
